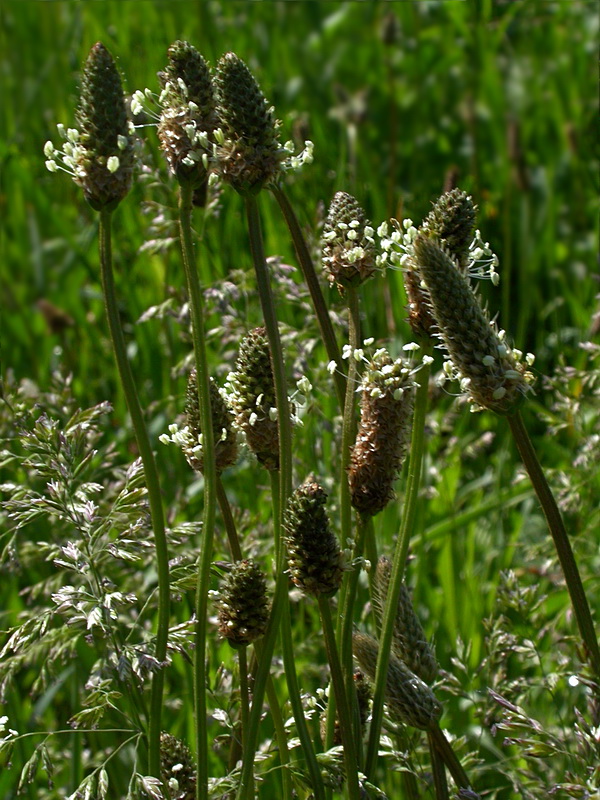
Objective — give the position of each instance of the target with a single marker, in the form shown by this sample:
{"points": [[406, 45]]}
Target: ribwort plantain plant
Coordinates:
{"points": [[297, 597]]}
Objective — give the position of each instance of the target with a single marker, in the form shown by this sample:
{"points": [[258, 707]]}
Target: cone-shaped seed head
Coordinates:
{"points": [[420, 318], [383, 433], [253, 398], [224, 436], [408, 698], [105, 155], [348, 245], [177, 768], [452, 222], [408, 641], [243, 605], [494, 379], [189, 114], [314, 556], [251, 155]]}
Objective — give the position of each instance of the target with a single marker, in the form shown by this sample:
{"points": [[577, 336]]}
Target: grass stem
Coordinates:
{"points": [[210, 487], [152, 484], [560, 537], [408, 517]]}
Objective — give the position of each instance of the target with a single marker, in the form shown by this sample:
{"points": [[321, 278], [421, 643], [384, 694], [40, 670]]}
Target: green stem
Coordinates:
{"points": [[210, 487], [444, 748], [561, 540], [344, 714], [406, 529], [152, 483], [438, 771], [281, 490], [350, 582], [280, 733], [228, 521], [310, 276], [267, 303], [289, 663], [244, 695]]}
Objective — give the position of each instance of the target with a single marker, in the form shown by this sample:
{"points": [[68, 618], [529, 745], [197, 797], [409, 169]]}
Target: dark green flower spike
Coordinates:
{"points": [[243, 607]]}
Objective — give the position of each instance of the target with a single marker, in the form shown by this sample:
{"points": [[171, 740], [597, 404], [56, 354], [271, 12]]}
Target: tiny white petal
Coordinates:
{"points": [[112, 165], [411, 346], [331, 367], [51, 166]]}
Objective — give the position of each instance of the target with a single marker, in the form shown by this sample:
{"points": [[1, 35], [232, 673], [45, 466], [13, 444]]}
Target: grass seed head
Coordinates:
{"points": [[104, 155], [250, 155], [383, 434], [188, 117], [408, 698], [452, 222], [252, 396], [314, 557], [243, 605], [408, 641], [489, 372], [224, 435], [177, 768], [348, 249]]}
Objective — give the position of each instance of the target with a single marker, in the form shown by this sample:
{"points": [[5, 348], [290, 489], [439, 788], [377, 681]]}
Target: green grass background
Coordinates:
{"points": [[397, 97]]}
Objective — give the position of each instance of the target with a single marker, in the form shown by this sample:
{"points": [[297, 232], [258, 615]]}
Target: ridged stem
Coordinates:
{"points": [[350, 580], [343, 709], [438, 771], [444, 748], [280, 733], [281, 490], [408, 517], [310, 276], [560, 537], [276, 716], [152, 484], [210, 487], [244, 692]]}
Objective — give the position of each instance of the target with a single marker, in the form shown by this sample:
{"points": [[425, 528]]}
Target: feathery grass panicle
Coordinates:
{"points": [[315, 560], [248, 148], [177, 768], [489, 371], [348, 248], [408, 640], [252, 396], [188, 115], [243, 606], [383, 434], [408, 698], [224, 434]]}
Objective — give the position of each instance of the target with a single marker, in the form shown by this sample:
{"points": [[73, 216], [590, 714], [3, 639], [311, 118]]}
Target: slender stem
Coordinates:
{"points": [[289, 661], [561, 540], [267, 303], [444, 748], [281, 490], [210, 487], [344, 713], [280, 733], [244, 693], [406, 529], [152, 483], [228, 521], [310, 276], [438, 771]]}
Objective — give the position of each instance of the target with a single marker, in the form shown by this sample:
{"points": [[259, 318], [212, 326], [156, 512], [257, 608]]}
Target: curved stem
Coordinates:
{"points": [[344, 713], [444, 748], [280, 733], [410, 505], [350, 582], [152, 483], [310, 276], [560, 537], [438, 771], [228, 521], [210, 487]]}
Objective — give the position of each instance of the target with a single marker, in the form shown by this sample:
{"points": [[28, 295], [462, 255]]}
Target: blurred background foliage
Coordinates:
{"points": [[402, 100]]}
